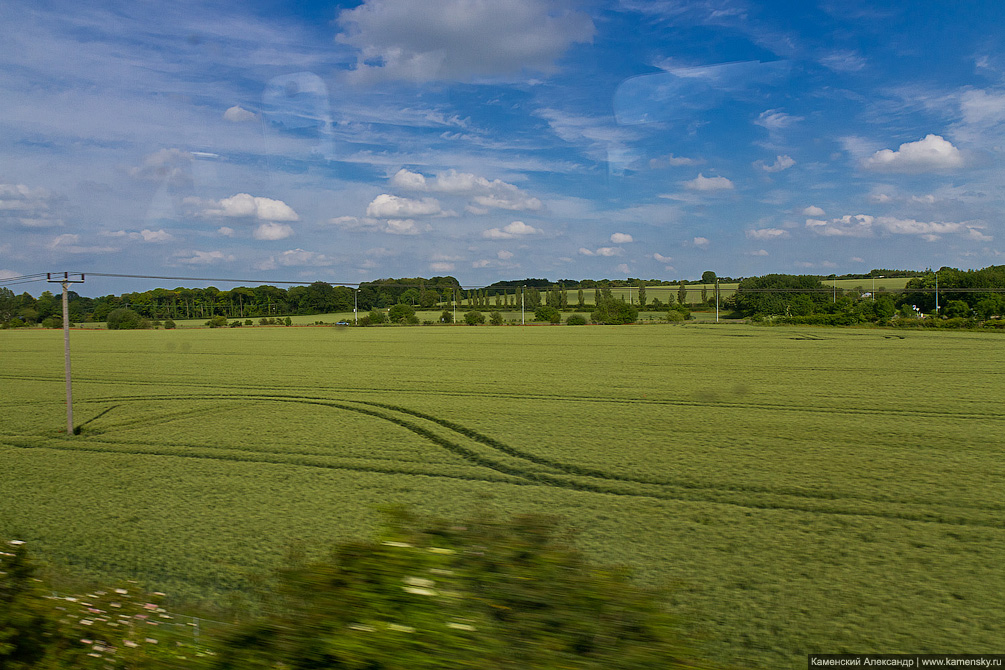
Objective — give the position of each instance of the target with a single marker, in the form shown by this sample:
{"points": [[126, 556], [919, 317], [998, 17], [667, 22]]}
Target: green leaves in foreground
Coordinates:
{"points": [[485, 594]]}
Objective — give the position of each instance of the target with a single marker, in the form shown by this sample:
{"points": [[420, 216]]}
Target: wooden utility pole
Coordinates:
{"points": [[66, 281]]}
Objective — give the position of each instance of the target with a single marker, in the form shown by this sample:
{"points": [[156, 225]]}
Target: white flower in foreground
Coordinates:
{"points": [[362, 627], [418, 591], [400, 628]]}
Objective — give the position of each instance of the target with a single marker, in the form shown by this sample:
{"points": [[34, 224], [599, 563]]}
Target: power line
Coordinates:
{"points": [[355, 284], [23, 279]]}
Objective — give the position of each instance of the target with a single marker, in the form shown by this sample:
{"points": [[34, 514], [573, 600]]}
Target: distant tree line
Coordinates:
{"points": [[968, 295]]}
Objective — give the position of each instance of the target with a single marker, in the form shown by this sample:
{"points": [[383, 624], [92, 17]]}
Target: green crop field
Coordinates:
{"points": [[797, 489]]}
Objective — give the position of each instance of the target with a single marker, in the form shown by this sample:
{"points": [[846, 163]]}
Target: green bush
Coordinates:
{"points": [[474, 318], [547, 313], [126, 319], [169, 324], [576, 320], [447, 316], [52, 322], [249, 322], [478, 594], [495, 318], [235, 324], [400, 313], [615, 311], [266, 321], [288, 321], [377, 317], [218, 321]]}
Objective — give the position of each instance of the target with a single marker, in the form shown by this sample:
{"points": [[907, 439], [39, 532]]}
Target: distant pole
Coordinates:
{"points": [[717, 300], [66, 281], [523, 320], [355, 306]]}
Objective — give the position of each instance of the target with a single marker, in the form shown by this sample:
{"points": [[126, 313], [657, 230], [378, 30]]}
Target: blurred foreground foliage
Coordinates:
{"points": [[481, 594]]}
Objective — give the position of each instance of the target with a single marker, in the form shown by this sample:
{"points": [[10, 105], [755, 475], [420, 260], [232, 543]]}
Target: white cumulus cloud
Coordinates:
{"points": [[243, 205], [602, 251], [767, 233], [514, 229], [813, 210], [441, 266], [203, 257], [701, 242], [238, 114], [703, 183], [272, 231], [621, 238], [386, 206], [781, 163], [931, 153], [459, 39], [299, 257]]}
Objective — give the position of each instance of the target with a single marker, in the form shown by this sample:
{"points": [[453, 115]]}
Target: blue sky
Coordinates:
{"points": [[499, 140]]}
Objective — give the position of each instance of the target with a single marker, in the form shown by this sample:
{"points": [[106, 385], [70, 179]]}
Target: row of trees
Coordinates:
{"points": [[977, 294], [967, 295]]}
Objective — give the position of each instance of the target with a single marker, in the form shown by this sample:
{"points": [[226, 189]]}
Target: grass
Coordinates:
{"points": [[800, 489]]}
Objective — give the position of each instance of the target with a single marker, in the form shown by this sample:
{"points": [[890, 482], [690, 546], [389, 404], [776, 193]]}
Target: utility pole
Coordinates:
{"points": [[523, 319], [355, 306], [66, 281]]}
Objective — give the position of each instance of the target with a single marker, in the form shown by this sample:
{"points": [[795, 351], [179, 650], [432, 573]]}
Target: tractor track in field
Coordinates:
{"points": [[548, 472], [705, 403]]}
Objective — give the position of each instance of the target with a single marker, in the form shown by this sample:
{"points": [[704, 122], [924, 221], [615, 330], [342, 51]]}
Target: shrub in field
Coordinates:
{"points": [[235, 324], [376, 317], [124, 318], [400, 313], [248, 322], [288, 321], [218, 321], [615, 311], [576, 320], [495, 318], [169, 324], [474, 318], [52, 322], [265, 321], [480, 594], [447, 316], [547, 313]]}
